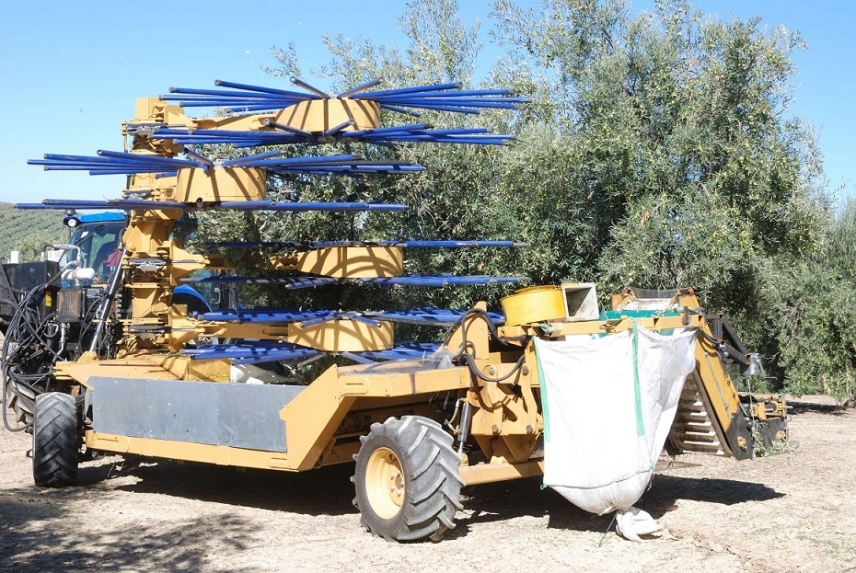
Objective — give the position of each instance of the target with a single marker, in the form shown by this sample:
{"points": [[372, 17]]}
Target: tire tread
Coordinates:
{"points": [[56, 439], [433, 483]]}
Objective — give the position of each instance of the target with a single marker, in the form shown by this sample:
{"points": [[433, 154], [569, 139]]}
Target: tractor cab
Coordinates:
{"points": [[99, 237]]}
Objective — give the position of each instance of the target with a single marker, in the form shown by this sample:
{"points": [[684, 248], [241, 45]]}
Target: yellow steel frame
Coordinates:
{"points": [[325, 420]]}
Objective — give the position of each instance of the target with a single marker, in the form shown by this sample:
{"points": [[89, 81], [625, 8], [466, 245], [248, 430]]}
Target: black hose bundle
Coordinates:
{"points": [[29, 340]]}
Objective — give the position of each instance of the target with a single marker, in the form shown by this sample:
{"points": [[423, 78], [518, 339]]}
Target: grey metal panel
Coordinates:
{"points": [[248, 412], [183, 411], [213, 413]]}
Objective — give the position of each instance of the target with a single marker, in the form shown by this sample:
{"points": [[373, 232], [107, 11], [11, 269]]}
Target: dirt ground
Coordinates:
{"points": [[794, 511]]}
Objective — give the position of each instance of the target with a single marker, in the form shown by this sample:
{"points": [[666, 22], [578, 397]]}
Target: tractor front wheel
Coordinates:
{"points": [[56, 440], [407, 482]]}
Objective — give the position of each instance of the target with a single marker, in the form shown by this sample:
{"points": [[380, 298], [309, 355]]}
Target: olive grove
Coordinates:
{"points": [[658, 150]]}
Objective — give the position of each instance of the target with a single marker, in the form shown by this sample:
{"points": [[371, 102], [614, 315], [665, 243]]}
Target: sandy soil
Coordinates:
{"points": [[794, 511]]}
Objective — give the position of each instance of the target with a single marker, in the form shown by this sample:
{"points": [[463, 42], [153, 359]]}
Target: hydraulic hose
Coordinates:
{"points": [[106, 302]]}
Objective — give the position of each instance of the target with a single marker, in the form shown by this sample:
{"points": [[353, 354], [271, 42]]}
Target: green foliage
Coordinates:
{"points": [[658, 150], [27, 231], [817, 308]]}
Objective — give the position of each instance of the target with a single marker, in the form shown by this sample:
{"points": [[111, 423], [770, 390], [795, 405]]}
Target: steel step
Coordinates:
{"points": [[693, 430]]}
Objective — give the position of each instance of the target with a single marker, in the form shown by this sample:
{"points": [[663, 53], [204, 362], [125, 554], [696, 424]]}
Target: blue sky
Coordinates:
{"points": [[70, 71]]}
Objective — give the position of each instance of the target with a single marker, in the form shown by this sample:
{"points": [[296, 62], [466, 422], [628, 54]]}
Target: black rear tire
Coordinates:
{"points": [[56, 440], [21, 401], [407, 481]]}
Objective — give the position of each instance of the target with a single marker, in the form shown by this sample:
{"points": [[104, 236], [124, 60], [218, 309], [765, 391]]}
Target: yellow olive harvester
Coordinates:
{"points": [[419, 429]]}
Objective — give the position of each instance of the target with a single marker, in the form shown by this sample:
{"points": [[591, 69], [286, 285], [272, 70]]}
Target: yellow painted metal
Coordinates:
{"points": [[507, 419], [196, 185], [228, 456], [493, 472], [352, 262], [148, 366], [325, 420], [312, 418], [716, 382], [152, 110], [393, 379], [320, 115], [146, 237], [342, 336], [534, 304], [560, 329], [219, 455], [385, 484], [343, 262], [156, 188]]}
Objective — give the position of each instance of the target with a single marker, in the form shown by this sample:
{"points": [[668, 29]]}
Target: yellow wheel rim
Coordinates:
{"points": [[385, 483]]}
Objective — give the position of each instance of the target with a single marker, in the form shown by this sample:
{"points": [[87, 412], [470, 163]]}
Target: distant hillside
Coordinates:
{"points": [[18, 229]]}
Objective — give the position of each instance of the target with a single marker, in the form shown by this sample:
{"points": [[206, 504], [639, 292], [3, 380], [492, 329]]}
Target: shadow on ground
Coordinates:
{"points": [[796, 408], [502, 501], [328, 491], [46, 537]]}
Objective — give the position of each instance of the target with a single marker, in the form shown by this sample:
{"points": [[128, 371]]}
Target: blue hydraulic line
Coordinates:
{"points": [[289, 129], [113, 203], [395, 128], [335, 130], [111, 163], [416, 89], [451, 98], [439, 97], [356, 357], [196, 157], [451, 103], [438, 281], [309, 88], [245, 138], [219, 93], [308, 282], [246, 353], [318, 159], [126, 156], [289, 283], [262, 315], [267, 351], [450, 108], [428, 316], [404, 351], [421, 316], [261, 89], [360, 88], [422, 244], [260, 204], [277, 356], [241, 161], [31, 206], [399, 109], [265, 205], [394, 169], [380, 135], [339, 316], [298, 207]]}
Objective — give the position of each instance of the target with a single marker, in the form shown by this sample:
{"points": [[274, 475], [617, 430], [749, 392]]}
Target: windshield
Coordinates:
{"points": [[99, 245]]}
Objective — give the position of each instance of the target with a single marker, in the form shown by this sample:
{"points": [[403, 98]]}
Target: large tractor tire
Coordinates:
{"points": [[21, 401], [56, 440], [407, 482]]}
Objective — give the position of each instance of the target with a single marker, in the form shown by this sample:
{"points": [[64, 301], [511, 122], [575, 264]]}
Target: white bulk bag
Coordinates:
{"points": [[608, 404]]}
